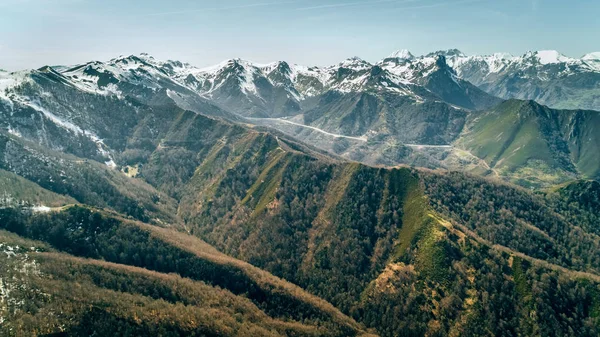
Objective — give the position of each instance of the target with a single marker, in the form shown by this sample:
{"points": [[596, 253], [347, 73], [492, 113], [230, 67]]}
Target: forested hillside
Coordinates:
{"points": [[399, 241], [131, 278]]}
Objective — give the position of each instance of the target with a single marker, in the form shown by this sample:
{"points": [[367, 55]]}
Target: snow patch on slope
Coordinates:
{"points": [[14, 132], [41, 209], [9, 81], [71, 127]]}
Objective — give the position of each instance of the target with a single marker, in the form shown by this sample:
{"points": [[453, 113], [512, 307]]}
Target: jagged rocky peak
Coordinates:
{"points": [[279, 72], [283, 65], [440, 61], [231, 65], [46, 69], [140, 58], [280, 66], [355, 59], [238, 63], [178, 64], [376, 70], [454, 52], [88, 65]]}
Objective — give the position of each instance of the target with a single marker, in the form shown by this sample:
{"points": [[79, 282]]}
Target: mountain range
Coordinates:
{"points": [[147, 197], [400, 110]]}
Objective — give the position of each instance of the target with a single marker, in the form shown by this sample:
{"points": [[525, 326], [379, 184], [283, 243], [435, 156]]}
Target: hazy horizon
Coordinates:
{"points": [[308, 32]]}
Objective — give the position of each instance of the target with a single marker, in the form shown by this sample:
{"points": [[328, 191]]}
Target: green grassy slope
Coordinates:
{"points": [[533, 145], [580, 130]]}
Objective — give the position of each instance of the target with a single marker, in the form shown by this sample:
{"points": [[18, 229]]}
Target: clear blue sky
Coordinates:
{"points": [[311, 32]]}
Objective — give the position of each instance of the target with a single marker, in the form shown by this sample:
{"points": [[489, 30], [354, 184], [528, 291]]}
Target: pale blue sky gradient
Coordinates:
{"points": [[34, 33]]}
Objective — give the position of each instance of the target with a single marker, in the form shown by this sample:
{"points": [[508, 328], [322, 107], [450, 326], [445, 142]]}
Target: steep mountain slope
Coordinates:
{"points": [[386, 117], [532, 144]]}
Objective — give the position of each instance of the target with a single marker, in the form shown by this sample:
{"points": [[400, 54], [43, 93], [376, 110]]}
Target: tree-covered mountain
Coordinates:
{"points": [[90, 272]]}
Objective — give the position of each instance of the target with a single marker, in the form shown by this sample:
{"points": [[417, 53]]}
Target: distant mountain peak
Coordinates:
{"points": [[403, 54], [440, 61], [284, 68], [504, 56], [354, 58], [282, 65], [546, 56], [454, 52], [447, 53], [595, 56], [136, 56], [354, 62]]}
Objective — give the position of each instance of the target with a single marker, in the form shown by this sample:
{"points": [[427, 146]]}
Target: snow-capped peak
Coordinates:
{"points": [[133, 59], [547, 56], [353, 59], [402, 54], [502, 56], [282, 66], [591, 56], [355, 62], [447, 53]]}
